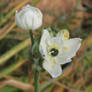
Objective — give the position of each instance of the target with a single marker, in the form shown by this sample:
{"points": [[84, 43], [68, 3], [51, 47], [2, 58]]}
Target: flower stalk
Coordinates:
{"points": [[30, 18], [31, 36], [36, 73], [36, 80]]}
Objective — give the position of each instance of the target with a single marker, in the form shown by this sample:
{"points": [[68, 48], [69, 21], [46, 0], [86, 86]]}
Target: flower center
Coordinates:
{"points": [[54, 52]]}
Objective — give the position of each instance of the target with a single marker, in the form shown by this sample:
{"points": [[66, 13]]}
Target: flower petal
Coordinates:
{"points": [[53, 68], [28, 15], [55, 41], [62, 60], [42, 46], [64, 34], [37, 19], [18, 20], [70, 48]]}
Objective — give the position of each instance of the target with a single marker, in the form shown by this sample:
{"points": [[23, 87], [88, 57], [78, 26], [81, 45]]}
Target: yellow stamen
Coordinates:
{"points": [[64, 33], [66, 48], [53, 61]]}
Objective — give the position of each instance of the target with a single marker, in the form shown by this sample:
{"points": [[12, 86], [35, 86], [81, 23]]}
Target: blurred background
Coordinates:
{"points": [[16, 73]]}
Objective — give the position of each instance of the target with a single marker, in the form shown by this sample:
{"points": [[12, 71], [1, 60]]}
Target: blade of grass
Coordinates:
{"points": [[18, 36], [17, 84], [3, 34], [13, 11], [14, 50], [13, 67]]}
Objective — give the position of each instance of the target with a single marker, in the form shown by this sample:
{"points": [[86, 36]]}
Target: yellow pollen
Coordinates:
{"points": [[65, 34], [66, 48], [53, 61]]}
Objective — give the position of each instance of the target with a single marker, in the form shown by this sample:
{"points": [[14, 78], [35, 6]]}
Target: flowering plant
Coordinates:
{"points": [[55, 50]]}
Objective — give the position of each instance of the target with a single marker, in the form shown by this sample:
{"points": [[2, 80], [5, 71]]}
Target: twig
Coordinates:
{"points": [[17, 84], [66, 87], [4, 33], [13, 11], [62, 85]]}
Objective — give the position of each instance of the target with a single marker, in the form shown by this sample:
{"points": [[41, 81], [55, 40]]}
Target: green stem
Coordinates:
{"points": [[31, 36], [36, 73], [36, 81]]}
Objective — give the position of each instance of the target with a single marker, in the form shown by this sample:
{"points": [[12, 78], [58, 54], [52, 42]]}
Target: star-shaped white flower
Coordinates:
{"points": [[57, 50]]}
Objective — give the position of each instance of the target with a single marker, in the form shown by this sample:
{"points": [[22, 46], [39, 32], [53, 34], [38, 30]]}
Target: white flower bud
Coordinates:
{"points": [[29, 18]]}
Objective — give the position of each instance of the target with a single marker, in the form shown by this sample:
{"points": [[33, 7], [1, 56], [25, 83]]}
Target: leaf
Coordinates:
{"points": [[88, 89], [8, 89], [13, 51]]}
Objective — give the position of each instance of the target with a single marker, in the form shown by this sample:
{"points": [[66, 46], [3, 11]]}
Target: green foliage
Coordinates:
{"points": [[88, 89], [9, 89]]}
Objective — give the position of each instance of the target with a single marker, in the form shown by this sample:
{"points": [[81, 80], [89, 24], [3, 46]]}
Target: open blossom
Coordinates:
{"points": [[57, 50], [29, 18]]}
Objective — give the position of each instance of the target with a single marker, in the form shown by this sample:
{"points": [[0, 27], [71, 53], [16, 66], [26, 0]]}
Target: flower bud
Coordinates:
{"points": [[29, 18]]}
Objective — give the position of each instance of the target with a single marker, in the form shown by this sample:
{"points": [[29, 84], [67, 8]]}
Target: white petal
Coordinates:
{"points": [[18, 20], [29, 19], [62, 60], [53, 68], [42, 46], [55, 41], [71, 47], [37, 19]]}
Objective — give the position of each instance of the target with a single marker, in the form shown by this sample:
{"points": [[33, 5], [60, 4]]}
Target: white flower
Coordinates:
{"points": [[29, 18], [57, 50]]}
